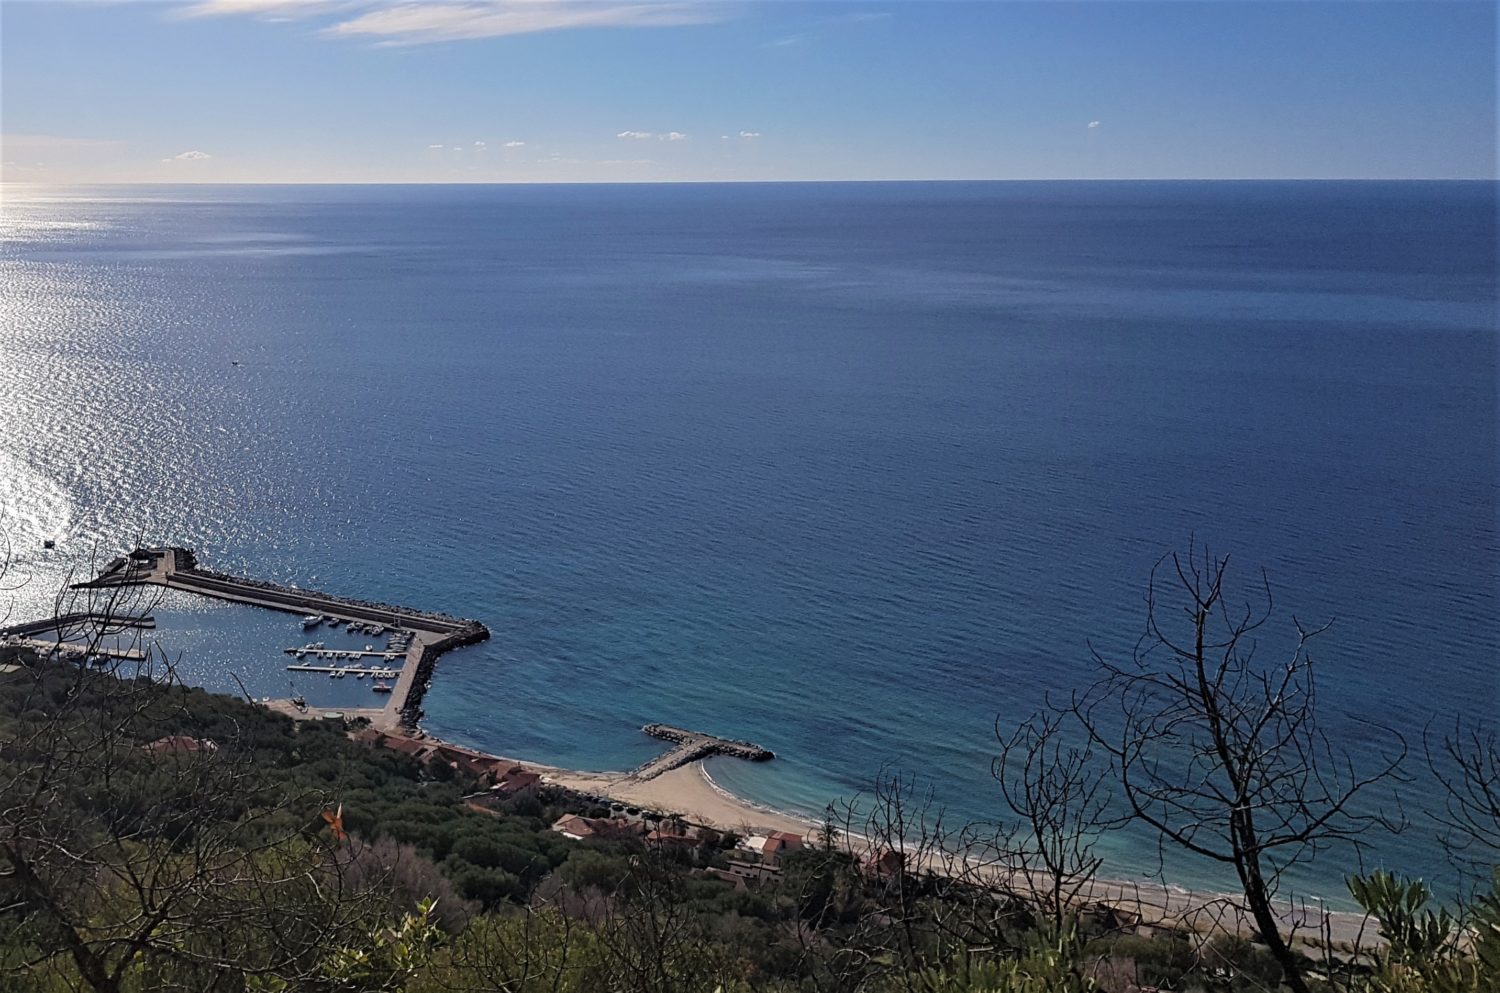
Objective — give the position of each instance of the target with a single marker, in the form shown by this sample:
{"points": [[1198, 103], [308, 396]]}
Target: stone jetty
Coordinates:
{"points": [[432, 633], [692, 746]]}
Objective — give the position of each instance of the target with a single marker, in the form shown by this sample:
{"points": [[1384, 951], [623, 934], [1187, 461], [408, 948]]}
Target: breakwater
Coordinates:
{"points": [[432, 633], [695, 745]]}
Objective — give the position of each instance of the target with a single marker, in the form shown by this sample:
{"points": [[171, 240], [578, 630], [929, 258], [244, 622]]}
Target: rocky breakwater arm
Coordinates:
{"points": [[694, 745]]}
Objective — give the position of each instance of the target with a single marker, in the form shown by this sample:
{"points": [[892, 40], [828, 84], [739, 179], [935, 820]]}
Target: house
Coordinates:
{"points": [[515, 781], [578, 828], [370, 736], [180, 743], [884, 863], [418, 750], [670, 833], [779, 843], [771, 847]]}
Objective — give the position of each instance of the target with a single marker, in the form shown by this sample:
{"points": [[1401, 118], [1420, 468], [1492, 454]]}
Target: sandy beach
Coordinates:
{"points": [[686, 790]]}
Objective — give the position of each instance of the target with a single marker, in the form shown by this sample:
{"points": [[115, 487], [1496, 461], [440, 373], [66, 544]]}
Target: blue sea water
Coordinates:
{"points": [[850, 470]]}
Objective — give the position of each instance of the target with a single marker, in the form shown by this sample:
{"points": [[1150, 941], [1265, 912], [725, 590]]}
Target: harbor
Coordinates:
{"points": [[417, 638]]}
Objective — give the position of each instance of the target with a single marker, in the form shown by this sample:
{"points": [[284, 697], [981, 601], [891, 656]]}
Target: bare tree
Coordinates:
{"points": [[1055, 791], [1467, 764], [1220, 753]]}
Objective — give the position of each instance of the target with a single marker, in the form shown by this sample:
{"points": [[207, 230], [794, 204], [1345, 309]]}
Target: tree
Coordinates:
{"points": [[1467, 764], [1056, 795], [1220, 752]]}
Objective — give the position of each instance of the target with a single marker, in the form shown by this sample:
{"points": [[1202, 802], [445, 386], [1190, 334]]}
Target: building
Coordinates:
{"points": [[578, 828], [516, 780], [771, 847], [180, 744]]}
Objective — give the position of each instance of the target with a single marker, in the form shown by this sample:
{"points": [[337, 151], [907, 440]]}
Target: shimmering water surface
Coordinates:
{"points": [[848, 470]]}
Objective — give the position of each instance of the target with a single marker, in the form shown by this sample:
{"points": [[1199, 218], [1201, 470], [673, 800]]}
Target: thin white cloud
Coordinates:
{"points": [[515, 144], [411, 23], [192, 156], [1093, 124], [437, 146], [749, 134], [648, 135], [273, 10], [479, 144]]}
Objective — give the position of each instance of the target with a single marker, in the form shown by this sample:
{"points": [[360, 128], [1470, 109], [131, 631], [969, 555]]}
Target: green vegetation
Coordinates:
{"points": [[212, 869], [159, 838]]}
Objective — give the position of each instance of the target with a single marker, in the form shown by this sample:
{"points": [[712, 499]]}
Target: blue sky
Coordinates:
{"points": [[640, 90]]}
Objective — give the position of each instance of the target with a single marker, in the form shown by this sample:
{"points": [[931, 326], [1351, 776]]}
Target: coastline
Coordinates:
{"points": [[689, 790]]}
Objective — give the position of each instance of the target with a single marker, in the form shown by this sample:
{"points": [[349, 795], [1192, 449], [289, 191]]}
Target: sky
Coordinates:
{"points": [[722, 90]]}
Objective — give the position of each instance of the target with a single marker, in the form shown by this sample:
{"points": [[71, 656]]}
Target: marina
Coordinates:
{"points": [[416, 638]]}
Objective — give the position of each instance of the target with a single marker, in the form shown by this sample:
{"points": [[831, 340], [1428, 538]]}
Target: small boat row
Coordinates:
{"points": [[362, 627], [317, 651], [381, 686]]}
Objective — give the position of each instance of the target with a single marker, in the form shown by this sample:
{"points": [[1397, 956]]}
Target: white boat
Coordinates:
{"points": [[311, 621], [380, 688]]}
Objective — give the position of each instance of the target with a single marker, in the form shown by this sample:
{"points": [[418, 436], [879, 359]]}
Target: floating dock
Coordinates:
{"points": [[339, 653], [431, 633], [692, 746], [351, 670]]}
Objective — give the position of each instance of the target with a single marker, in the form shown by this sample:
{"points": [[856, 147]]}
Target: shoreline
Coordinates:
{"points": [[691, 791]]}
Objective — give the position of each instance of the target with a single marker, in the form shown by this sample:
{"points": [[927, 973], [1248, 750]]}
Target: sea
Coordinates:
{"points": [[859, 472]]}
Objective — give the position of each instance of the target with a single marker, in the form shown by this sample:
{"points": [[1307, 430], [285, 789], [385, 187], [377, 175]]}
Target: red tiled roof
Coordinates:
{"points": [[181, 743], [406, 746]]}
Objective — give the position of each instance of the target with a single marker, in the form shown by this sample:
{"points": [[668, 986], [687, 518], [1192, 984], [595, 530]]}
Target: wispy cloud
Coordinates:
{"points": [[1094, 124], [192, 156], [648, 135], [412, 23], [515, 144], [277, 10], [749, 134]]}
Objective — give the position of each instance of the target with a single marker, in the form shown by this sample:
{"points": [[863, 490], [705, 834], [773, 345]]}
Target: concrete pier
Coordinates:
{"points": [[70, 649], [77, 635], [692, 746], [431, 633]]}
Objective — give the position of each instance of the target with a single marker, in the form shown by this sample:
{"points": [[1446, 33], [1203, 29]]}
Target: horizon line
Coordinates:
{"points": [[752, 182]]}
